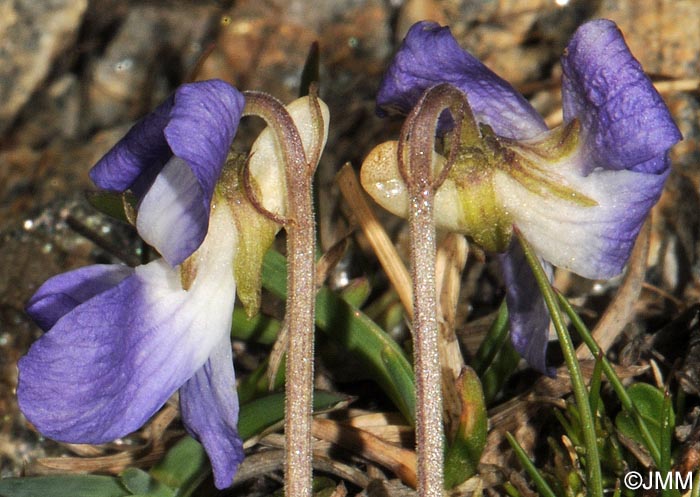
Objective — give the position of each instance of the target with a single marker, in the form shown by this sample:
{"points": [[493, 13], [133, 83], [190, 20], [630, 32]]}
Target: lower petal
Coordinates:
{"points": [[527, 312], [209, 405], [112, 362], [61, 294]]}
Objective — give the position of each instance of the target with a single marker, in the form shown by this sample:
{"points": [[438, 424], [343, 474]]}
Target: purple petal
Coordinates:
{"points": [[138, 157], [430, 55], [113, 361], [197, 124], [527, 311], [203, 123], [624, 120], [209, 406], [61, 294]]}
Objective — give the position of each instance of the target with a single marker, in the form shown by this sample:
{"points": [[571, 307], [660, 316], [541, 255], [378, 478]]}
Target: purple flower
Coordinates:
{"points": [[120, 341], [193, 128], [578, 194]]}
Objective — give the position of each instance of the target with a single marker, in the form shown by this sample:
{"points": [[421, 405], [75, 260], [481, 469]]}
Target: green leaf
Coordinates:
{"points": [[121, 206], [463, 455], [493, 342], [140, 483], [310, 72], [63, 486], [182, 464], [649, 402], [265, 412], [542, 486], [259, 328]]}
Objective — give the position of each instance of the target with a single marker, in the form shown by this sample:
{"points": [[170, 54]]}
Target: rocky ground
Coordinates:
{"points": [[75, 74]]}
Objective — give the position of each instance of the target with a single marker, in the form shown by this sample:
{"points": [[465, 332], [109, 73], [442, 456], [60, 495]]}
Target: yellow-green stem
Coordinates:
{"points": [[594, 479]]}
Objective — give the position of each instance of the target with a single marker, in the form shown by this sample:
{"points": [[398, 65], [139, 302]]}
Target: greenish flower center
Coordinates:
{"points": [[531, 163]]}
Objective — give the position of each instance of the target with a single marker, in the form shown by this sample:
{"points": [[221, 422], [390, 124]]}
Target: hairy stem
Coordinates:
{"points": [[300, 226], [415, 153]]}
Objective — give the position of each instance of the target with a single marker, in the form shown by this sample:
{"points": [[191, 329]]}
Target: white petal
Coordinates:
{"points": [[171, 214], [592, 241]]}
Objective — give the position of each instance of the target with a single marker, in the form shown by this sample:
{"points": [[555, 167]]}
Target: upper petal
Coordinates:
{"points": [[61, 294], [209, 407], [138, 157], [202, 125], [197, 125], [106, 366], [203, 122], [625, 122], [430, 55]]}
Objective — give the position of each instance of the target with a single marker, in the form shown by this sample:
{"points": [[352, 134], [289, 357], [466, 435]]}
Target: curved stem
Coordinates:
{"points": [[415, 153], [300, 290]]}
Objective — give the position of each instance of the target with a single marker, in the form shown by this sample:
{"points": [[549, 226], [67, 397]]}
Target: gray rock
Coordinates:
{"points": [[154, 43], [32, 35]]}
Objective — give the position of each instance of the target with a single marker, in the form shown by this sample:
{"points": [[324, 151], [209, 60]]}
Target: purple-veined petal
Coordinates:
{"points": [[593, 241], [171, 213], [624, 120], [209, 407], [197, 125], [527, 312], [430, 55], [61, 294], [105, 367], [138, 157]]}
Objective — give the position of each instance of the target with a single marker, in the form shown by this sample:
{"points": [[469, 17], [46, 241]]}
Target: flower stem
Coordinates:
{"points": [[625, 400], [415, 152], [300, 227], [594, 479]]}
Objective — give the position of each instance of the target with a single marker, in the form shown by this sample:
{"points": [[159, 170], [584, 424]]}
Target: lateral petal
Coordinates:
{"points": [[105, 367], [593, 241], [171, 216], [62, 293]]}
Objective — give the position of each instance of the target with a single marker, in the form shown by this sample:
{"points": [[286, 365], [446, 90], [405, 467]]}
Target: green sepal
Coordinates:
{"points": [[256, 233], [140, 483], [464, 453], [121, 206]]}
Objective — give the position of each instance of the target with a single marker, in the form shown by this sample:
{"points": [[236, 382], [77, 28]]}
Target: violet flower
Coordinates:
{"points": [[579, 194], [120, 341]]}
